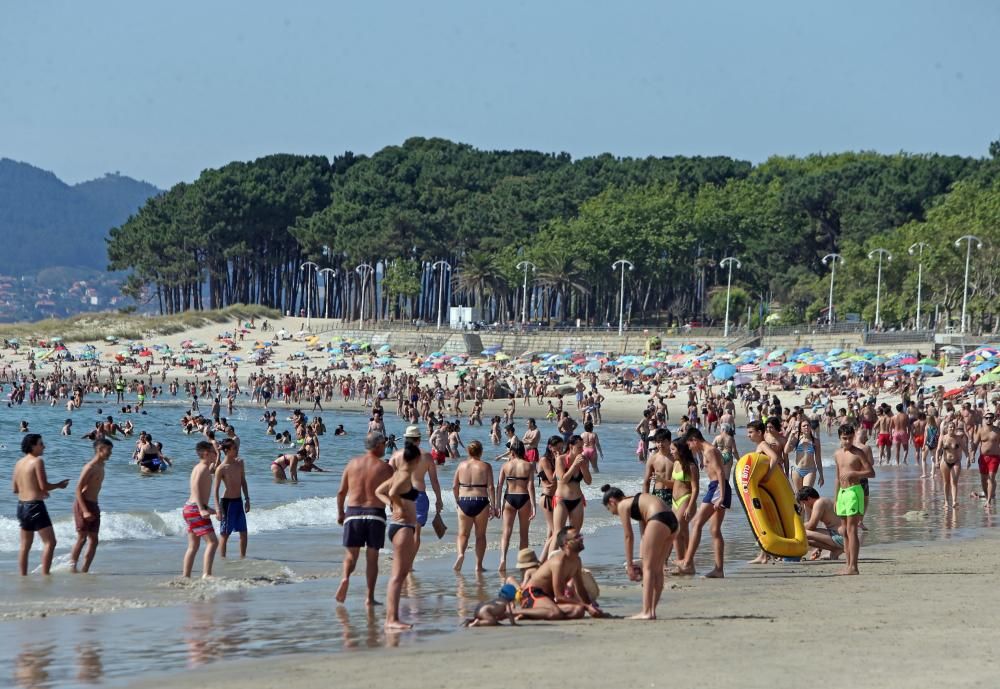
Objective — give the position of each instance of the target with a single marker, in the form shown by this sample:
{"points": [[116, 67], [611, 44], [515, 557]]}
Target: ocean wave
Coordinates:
{"points": [[140, 526]]}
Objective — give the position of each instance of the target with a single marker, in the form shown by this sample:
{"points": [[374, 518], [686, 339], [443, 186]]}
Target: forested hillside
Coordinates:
{"points": [[46, 223], [240, 234]]}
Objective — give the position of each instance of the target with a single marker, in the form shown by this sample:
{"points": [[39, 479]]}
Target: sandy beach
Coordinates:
{"points": [[783, 625]]}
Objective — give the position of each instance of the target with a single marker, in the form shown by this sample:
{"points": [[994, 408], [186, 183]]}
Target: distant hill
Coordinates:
{"points": [[46, 223]]}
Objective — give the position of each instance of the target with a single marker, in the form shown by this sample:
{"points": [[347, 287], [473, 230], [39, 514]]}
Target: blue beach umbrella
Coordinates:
{"points": [[724, 371]]}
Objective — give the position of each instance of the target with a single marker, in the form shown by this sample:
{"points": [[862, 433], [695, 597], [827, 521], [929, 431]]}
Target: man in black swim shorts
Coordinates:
{"points": [[31, 485], [363, 518]]}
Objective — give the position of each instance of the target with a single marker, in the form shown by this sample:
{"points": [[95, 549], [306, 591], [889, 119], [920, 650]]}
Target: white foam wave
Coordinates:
{"points": [[138, 526]]}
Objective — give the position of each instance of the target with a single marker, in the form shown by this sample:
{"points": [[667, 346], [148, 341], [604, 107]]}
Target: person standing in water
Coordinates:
{"points": [[363, 518], [230, 509], [399, 494], [197, 513], [86, 510], [31, 485], [474, 496]]}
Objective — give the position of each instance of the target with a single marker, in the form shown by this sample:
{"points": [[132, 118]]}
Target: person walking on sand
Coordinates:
{"points": [[953, 446], [31, 485], [718, 498], [86, 510], [658, 526], [230, 509], [363, 518], [474, 496], [852, 466], [987, 438], [197, 513], [400, 495]]}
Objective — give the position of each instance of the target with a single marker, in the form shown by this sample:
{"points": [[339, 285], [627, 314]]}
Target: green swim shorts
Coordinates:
{"points": [[850, 501]]}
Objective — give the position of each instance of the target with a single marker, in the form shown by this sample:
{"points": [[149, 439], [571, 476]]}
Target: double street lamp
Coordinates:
{"points": [[918, 248], [728, 261], [878, 284], [968, 253], [445, 268], [621, 299], [832, 260], [308, 264], [364, 270], [326, 304], [525, 265]]}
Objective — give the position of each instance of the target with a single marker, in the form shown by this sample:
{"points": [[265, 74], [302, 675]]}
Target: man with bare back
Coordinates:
{"points": [[86, 510], [545, 595], [901, 433], [31, 485], [363, 518]]}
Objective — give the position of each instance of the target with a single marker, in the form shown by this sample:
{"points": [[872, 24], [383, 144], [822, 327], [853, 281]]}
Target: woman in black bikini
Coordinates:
{"points": [[401, 497], [657, 526], [518, 475], [547, 482], [571, 469], [473, 488]]}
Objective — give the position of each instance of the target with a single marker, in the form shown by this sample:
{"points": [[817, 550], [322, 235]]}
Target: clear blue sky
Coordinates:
{"points": [[162, 90]]}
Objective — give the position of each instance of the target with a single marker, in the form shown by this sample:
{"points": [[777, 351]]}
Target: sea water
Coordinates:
{"points": [[133, 615]]}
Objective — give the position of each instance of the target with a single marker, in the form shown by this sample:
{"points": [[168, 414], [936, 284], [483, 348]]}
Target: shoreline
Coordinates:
{"points": [[725, 630]]}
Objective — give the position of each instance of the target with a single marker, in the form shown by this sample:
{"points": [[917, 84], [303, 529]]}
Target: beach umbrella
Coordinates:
{"points": [[951, 349], [954, 392], [991, 377], [649, 371], [810, 368], [502, 357], [384, 348], [436, 354], [742, 379], [775, 354], [592, 366], [724, 372], [985, 366]]}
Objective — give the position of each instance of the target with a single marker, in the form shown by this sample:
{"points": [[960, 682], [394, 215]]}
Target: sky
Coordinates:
{"points": [[162, 90]]}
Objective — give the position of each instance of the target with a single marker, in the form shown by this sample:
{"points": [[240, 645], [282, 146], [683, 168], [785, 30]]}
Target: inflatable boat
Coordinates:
{"points": [[770, 506]]}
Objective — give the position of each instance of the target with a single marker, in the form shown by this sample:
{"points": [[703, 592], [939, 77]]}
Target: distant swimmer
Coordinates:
{"points": [[31, 485], [86, 510]]}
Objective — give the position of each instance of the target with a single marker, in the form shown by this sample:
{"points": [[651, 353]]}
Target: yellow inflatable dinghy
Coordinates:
{"points": [[770, 506]]}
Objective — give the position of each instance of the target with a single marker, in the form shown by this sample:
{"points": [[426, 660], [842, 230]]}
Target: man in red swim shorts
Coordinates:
{"points": [[883, 425], [988, 438]]}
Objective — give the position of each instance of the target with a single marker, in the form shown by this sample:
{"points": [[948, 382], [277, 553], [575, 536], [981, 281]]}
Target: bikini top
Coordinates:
{"points": [[518, 478], [410, 495], [805, 446], [575, 478], [634, 511], [683, 476]]}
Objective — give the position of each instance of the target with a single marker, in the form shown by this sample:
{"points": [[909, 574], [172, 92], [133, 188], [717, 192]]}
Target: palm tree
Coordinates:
{"points": [[478, 275], [564, 273]]}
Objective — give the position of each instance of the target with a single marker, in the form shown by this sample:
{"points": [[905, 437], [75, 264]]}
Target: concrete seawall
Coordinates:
{"points": [[429, 339]]}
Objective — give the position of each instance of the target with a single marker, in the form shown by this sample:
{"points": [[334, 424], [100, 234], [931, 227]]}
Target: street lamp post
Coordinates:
{"points": [[968, 253], [364, 270], [308, 264], [445, 268], [621, 298], [525, 265], [919, 247], [326, 284], [728, 261], [832, 260], [878, 283]]}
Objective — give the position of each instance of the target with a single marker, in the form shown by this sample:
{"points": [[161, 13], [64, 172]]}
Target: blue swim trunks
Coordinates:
{"points": [[423, 507], [233, 516], [713, 492]]}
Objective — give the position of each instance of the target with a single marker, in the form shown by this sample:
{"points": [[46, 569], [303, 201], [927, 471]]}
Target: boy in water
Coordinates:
{"points": [[196, 512], [31, 485], [852, 466], [86, 511], [230, 510]]}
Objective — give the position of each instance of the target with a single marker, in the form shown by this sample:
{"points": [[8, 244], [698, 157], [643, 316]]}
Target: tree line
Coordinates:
{"points": [[378, 230]]}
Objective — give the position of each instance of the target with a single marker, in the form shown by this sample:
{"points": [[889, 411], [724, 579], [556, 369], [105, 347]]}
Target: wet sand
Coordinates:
{"points": [[919, 615]]}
